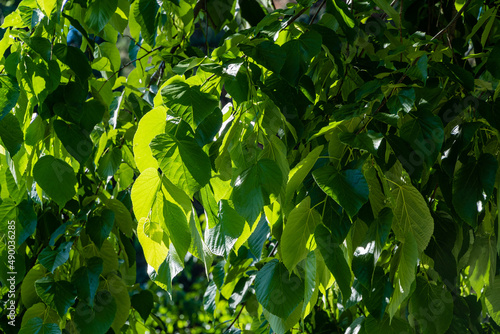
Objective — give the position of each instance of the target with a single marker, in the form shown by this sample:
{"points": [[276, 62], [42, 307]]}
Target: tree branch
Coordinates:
{"points": [[128, 64], [452, 21], [294, 18], [317, 12], [235, 319]]}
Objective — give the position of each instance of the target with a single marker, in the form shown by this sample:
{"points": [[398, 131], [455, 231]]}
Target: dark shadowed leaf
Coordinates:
{"points": [[9, 93], [254, 186], [59, 295], [278, 291], [348, 187]]}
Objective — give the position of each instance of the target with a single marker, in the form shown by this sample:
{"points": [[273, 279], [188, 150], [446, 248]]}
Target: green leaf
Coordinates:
{"points": [[59, 295], [144, 192], [47, 6], [334, 259], [378, 297], [472, 187], [151, 124], [75, 59], [99, 13], [145, 13], [403, 101], [386, 325], [198, 245], [37, 326], [9, 93], [412, 216], [168, 270], [482, 261], [405, 273], [96, 319], [253, 188], [419, 70], [120, 18], [492, 300], [111, 54], [259, 237], [187, 64], [389, 10], [379, 230], [40, 45], [300, 171], [425, 135], [11, 134], [143, 303], [99, 227], [75, 140], [277, 290], [344, 16], [368, 141], [109, 163], [93, 111], [427, 295], [221, 238], [122, 215], [208, 128], [51, 259], [267, 54], [237, 86], [40, 310], [188, 102], [493, 62], [178, 227], [182, 161], [348, 187], [299, 53], [35, 132], [56, 178], [251, 11], [86, 279], [154, 242], [209, 302], [297, 234], [460, 75], [28, 293], [116, 286]]}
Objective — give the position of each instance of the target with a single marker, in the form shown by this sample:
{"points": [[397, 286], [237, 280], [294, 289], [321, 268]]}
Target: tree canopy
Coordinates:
{"points": [[321, 167]]}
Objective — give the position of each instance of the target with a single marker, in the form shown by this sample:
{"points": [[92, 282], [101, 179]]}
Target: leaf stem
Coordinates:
{"points": [[442, 31], [128, 64], [317, 12], [294, 18], [235, 319]]}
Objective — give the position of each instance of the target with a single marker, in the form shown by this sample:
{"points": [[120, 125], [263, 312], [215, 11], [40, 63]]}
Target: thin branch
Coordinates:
{"points": [[207, 80], [235, 319], [128, 64], [198, 7], [273, 5], [317, 12], [294, 18], [452, 21], [133, 40]]}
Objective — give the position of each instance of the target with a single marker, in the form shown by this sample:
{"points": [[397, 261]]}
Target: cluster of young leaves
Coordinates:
{"points": [[333, 173]]}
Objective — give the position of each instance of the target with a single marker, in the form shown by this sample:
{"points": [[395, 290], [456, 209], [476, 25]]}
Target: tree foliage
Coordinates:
{"points": [[326, 167]]}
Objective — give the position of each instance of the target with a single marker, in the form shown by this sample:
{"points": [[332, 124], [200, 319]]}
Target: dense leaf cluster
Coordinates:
{"points": [[331, 166]]}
